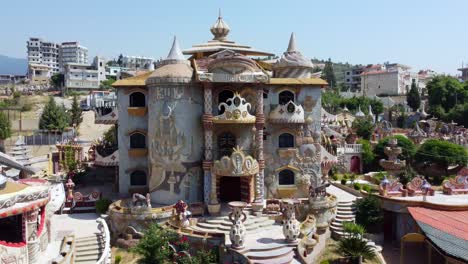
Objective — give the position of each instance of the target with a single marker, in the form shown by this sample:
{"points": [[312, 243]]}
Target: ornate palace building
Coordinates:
{"points": [[225, 124]]}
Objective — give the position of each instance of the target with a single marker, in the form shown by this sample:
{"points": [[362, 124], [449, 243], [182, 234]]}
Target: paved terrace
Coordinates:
{"points": [[439, 198]]}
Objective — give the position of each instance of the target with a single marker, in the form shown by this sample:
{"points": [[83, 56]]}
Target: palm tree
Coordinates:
{"points": [[353, 245]]}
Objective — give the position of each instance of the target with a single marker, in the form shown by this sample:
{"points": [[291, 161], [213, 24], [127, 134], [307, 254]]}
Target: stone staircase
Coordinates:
{"points": [[89, 249], [347, 213], [222, 224], [273, 253]]}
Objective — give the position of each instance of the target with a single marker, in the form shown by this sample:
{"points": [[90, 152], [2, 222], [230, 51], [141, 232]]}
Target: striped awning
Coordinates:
{"points": [[448, 230]]}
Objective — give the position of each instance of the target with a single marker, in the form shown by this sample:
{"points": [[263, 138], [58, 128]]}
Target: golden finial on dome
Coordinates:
{"points": [[220, 29]]}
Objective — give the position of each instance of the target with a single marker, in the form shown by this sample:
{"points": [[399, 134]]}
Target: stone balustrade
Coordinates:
{"points": [[105, 258]]}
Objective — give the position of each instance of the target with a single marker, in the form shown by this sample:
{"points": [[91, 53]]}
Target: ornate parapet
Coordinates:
{"points": [[106, 115], [236, 111], [107, 161], [238, 164], [288, 113]]}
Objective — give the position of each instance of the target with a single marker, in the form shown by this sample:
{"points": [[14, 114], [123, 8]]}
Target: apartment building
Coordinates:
{"points": [[136, 62], [387, 79], [73, 52], [80, 76], [353, 78], [45, 53]]}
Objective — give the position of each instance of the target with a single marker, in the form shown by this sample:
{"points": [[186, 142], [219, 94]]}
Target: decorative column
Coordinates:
{"points": [[32, 240], [260, 122], [209, 187]]}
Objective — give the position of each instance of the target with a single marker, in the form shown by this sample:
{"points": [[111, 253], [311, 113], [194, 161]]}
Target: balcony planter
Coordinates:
{"points": [[137, 111], [286, 192], [287, 153], [135, 153]]}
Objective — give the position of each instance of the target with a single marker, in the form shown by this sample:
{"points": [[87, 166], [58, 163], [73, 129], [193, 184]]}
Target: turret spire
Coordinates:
{"points": [[292, 43], [175, 53]]}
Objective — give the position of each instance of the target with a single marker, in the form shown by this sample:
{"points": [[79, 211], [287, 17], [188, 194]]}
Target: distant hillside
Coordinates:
{"points": [[16, 66], [338, 67]]}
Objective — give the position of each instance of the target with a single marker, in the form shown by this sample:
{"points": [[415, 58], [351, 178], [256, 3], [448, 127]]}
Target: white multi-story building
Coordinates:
{"points": [[387, 79], [135, 62], [353, 78], [44, 53], [73, 52], [85, 76]]}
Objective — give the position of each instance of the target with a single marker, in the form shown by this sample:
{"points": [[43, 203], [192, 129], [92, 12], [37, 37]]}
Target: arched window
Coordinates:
{"points": [[284, 97], [222, 98], [286, 140], [137, 140], [137, 99], [226, 142], [286, 177], [138, 177]]}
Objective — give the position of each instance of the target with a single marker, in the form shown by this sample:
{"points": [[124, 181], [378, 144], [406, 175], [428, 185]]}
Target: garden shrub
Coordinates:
{"points": [[369, 214], [357, 186], [102, 205], [343, 181], [367, 188], [118, 259]]}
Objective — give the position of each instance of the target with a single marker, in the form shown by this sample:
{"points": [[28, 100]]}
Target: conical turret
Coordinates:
{"points": [[292, 63]]}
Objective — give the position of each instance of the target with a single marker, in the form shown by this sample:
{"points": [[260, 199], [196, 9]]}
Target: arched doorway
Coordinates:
{"points": [[226, 142], [355, 165], [230, 189]]}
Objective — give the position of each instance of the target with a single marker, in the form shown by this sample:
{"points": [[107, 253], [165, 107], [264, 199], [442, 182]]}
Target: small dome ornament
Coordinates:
{"points": [[220, 29]]}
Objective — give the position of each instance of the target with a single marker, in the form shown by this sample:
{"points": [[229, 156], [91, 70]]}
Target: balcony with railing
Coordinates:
{"points": [[349, 149], [287, 113], [234, 111]]}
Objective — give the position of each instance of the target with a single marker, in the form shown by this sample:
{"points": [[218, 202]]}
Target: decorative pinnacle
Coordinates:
{"points": [[220, 29], [292, 43], [175, 53]]}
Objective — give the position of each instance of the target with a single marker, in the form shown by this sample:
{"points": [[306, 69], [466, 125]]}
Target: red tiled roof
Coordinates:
{"points": [[452, 222]]}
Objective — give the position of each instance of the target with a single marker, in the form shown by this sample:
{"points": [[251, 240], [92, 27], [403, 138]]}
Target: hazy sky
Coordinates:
{"points": [[420, 33]]}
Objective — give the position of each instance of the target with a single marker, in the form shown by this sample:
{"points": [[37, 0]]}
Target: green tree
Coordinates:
{"points": [[120, 60], [153, 247], [75, 113], [367, 154], [69, 162], [57, 80], [441, 153], [413, 98], [369, 213], [446, 92], [363, 127], [106, 84], [353, 245], [54, 117], [5, 130], [328, 74], [407, 146]]}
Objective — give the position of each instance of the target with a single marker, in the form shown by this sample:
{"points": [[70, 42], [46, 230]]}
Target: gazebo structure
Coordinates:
{"points": [[24, 220]]}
